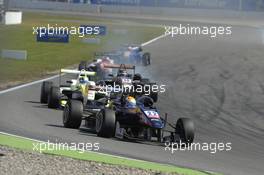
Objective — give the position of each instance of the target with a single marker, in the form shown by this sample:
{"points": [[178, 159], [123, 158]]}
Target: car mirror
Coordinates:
{"points": [[110, 75], [69, 81]]}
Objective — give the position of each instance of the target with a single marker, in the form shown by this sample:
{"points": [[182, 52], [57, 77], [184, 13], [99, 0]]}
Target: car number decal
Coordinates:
{"points": [[125, 80], [152, 114]]}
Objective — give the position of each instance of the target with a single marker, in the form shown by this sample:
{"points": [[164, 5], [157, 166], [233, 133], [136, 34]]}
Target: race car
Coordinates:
{"points": [[124, 117], [131, 81], [97, 66], [134, 54], [128, 54], [78, 88]]}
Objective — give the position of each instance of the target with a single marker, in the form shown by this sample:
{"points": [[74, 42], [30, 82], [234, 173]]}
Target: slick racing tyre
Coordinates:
{"points": [[105, 123], [185, 129], [146, 59], [159, 135], [45, 89], [154, 96], [72, 114], [54, 98]]}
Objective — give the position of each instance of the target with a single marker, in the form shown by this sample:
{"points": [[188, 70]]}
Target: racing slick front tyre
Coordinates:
{"points": [[154, 96], [106, 123], [185, 129], [72, 114], [54, 98], [45, 89], [159, 135], [146, 59]]}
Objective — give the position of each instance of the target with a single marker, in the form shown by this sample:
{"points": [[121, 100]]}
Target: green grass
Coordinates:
{"points": [[27, 144], [48, 57]]}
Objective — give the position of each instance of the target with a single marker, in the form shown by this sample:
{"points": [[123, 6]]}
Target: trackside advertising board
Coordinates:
{"points": [[51, 36]]}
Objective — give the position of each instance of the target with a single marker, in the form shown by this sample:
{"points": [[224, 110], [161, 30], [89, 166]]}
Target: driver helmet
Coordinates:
{"points": [[122, 73], [83, 80], [130, 48], [130, 102]]}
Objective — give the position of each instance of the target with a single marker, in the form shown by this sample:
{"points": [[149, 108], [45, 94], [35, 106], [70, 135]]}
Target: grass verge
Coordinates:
{"points": [[27, 144]]}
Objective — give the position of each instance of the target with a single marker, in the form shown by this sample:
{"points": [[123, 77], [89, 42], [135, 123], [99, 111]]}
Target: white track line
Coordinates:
{"points": [[28, 84], [153, 40], [50, 78]]}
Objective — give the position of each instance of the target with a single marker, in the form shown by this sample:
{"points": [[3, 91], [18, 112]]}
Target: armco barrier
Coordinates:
{"points": [[159, 11], [14, 54]]}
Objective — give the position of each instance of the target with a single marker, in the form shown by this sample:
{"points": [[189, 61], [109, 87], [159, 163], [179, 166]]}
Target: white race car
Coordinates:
{"points": [[80, 88]]}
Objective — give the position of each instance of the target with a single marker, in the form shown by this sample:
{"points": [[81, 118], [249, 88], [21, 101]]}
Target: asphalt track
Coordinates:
{"points": [[217, 82]]}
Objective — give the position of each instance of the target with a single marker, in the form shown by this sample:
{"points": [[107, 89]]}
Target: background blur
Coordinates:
{"points": [[252, 5]]}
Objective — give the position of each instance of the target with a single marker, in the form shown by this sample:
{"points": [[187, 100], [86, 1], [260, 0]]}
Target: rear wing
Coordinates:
{"points": [[130, 45], [71, 71], [100, 54], [120, 66]]}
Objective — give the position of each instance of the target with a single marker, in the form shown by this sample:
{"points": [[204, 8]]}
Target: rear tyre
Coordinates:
{"points": [[54, 98], [105, 123], [72, 114], [45, 89], [185, 129]]}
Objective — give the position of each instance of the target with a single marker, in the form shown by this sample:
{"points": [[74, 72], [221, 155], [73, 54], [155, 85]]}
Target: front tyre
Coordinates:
{"points": [[45, 89], [154, 96], [72, 114], [105, 123], [185, 129], [146, 59]]}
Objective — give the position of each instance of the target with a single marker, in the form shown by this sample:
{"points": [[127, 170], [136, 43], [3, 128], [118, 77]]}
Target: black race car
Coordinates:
{"points": [[122, 117]]}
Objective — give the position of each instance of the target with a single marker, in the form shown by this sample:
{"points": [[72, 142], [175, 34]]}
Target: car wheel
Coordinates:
{"points": [[146, 59], [185, 129], [72, 114], [54, 98], [147, 134], [154, 96], [105, 123], [45, 89], [159, 135]]}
